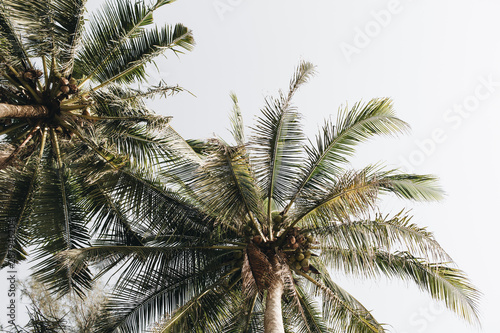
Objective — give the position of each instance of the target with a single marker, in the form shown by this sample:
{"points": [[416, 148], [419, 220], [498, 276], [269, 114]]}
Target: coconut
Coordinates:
{"points": [[298, 265], [63, 81], [295, 246], [305, 263], [307, 254], [28, 75], [257, 239], [64, 89], [291, 240], [300, 257]]}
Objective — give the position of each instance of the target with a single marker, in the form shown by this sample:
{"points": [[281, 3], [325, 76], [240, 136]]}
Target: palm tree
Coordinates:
{"points": [[265, 222], [71, 111]]}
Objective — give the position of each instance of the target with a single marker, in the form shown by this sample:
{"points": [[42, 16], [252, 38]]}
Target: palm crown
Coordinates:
{"points": [[69, 114], [252, 229]]}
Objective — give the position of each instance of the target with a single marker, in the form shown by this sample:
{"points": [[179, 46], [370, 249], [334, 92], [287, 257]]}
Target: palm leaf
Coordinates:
{"points": [[277, 142], [60, 225], [442, 282], [236, 119], [227, 186], [118, 46], [337, 141], [383, 233], [351, 194], [12, 51], [341, 310], [411, 186]]}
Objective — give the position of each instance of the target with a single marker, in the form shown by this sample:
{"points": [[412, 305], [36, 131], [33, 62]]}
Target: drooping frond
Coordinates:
{"points": [[51, 28], [342, 312], [442, 282], [337, 141], [411, 186], [160, 280], [16, 200], [60, 225], [304, 317], [395, 233], [12, 52]]}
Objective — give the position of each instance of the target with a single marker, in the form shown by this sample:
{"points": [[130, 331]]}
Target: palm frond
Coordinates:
{"points": [[236, 119], [227, 186], [48, 26], [411, 186], [306, 319], [386, 233], [351, 194], [442, 282], [12, 51], [118, 46], [277, 143], [60, 224], [166, 285], [16, 200], [337, 141]]}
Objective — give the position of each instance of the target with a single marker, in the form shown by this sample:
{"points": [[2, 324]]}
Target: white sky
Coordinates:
{"points": [[434, 58]]}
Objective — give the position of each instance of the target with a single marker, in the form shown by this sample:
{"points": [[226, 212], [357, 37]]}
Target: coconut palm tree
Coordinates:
{"points": [[71, 110], [266, 221]]}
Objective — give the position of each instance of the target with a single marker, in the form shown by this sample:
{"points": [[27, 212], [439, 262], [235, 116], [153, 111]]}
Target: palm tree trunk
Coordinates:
{"points": [[273, 318], [23, 111]]}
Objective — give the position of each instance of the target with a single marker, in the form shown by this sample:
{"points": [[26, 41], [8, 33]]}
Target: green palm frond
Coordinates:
{"points": [[304, 317], [386, 233], [337, 141], [205, 312], [236, 119], [411, 186], [442, 282], [51, 28], [341, 311], [118, 45], [110, 219], [228, 167], [12, 52], [159, 210], [60, 225], [165, 286], [351, 194], [277, 142], [71, 18], [16, 202]]}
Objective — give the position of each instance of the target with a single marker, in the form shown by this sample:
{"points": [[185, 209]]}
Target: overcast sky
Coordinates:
{"points": [[438, 61]]}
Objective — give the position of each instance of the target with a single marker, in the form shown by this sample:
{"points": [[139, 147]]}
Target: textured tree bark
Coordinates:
{"points": [[273, 317], [23, 111]]}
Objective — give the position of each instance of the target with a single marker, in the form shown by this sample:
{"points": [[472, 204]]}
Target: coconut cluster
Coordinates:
{"points": [[67, 86], [31, 75], [298, 249]]}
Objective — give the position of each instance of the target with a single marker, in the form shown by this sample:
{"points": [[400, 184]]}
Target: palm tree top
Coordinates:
{"points": [[70, 109], [256, 227]]}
